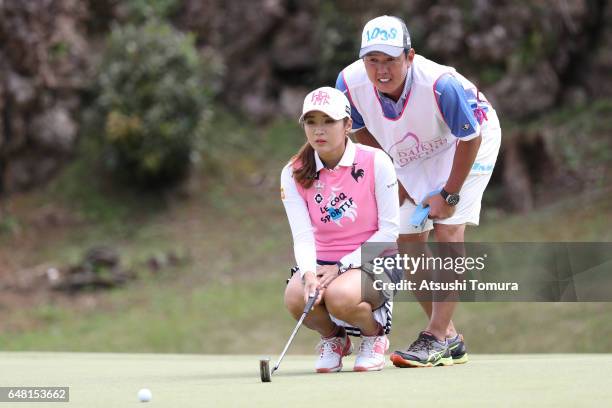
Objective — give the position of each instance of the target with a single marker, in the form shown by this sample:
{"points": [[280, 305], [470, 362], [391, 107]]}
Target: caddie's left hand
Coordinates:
{"points": [[326, 274], [439, 208]]}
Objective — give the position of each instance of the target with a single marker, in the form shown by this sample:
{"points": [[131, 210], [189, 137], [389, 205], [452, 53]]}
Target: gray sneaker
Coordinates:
{"points": [[457, 349], [426, 351]]}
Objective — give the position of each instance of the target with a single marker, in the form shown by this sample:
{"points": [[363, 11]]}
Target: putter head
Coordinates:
{"points": [[264, 370]]}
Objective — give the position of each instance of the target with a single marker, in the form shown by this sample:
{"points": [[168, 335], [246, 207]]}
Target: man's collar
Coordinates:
{"points": [[347, 159]]}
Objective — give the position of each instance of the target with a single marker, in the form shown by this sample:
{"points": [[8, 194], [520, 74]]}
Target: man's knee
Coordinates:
{"points": [[450, 233], [421, 237]]}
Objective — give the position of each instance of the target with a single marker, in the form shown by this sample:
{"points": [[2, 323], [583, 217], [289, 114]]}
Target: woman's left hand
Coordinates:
{"points": [[326, 274]]}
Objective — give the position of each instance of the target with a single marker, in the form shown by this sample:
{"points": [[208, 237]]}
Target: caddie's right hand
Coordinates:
{"points": [[311, 284]]}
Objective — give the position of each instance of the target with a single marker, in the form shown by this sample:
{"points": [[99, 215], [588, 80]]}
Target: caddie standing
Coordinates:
{"points": [[443, 137]]}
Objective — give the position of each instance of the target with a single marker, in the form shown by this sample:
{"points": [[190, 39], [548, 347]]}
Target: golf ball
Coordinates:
{"points": [[144, 395]]}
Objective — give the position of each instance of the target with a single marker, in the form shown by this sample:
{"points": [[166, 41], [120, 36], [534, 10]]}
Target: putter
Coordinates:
{"points": [[264, 364]]}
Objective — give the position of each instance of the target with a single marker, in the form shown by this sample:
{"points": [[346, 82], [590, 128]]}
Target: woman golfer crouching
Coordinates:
{"points": [[339, 195]]}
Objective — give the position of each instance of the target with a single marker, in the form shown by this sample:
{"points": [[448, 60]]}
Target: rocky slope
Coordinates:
{"points": [[530, 58]]}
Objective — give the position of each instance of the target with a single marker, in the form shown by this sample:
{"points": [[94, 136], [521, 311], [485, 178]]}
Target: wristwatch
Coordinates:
{"points": [[451, 199]]}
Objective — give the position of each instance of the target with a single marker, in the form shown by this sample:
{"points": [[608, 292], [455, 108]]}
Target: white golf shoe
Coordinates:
{"points": [[331, 352], [371, 355]]}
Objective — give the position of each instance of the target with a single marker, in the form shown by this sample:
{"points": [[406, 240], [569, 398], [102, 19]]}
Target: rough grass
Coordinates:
{"points": [[227, 295]]}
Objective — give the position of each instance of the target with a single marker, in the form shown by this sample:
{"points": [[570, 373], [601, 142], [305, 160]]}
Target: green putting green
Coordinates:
{"points": [[113, 380]]}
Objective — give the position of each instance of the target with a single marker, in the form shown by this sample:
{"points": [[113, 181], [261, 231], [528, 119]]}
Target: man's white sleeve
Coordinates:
{"points": [[388, 207], [299, 221]]}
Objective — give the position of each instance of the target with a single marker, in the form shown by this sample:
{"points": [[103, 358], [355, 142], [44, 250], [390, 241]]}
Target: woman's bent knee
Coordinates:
{"points": [[339, 302], [294, 297]]}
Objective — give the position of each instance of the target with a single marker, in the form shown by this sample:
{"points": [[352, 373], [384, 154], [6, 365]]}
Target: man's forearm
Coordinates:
{"points": [[364, 136], [462, 164]]}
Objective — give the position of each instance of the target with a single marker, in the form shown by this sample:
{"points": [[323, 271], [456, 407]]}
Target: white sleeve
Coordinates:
{"points": [[299, 221], [388, 207]]}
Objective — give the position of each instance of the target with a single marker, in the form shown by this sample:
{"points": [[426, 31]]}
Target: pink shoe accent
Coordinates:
{"points": [[371, 355], [331, 352]]}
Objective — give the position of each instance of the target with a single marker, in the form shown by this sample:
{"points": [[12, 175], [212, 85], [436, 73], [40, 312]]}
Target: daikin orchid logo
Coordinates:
{"points": [[410, 148]]}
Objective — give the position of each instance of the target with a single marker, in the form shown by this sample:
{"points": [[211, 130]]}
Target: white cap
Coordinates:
{"points": [[329, 101], [386, 34]]}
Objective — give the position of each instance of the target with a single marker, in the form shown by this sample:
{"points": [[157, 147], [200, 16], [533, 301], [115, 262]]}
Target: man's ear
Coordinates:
{"points": [[410, 55]]}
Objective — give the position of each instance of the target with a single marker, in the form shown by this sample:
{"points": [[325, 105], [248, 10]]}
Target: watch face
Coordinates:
{"points": [[452, 199]]}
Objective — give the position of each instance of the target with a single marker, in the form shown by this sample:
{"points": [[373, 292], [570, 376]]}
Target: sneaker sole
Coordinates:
{"points": [[373, 368], [401, 362], [460, 360], [329, 370]]}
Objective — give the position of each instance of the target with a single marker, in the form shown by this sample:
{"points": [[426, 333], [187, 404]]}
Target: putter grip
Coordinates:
{"points": [[311, 300]]}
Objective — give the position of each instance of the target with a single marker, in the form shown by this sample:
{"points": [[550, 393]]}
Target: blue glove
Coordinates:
{"points": [[420, 214]]}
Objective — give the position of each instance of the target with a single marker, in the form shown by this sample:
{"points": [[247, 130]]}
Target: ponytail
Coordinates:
{"points": [[306, 174]]}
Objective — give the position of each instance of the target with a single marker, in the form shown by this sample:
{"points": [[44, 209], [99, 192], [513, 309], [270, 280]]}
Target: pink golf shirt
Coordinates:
{"points": [[355, 202], [342, 207]]}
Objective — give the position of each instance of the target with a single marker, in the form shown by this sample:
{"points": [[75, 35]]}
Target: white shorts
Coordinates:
{"points": [[467, 211], [468, 208], [382, 315]]}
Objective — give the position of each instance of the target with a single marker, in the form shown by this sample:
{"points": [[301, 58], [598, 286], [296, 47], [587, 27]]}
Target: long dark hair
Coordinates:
{"points": [[306, 173]]}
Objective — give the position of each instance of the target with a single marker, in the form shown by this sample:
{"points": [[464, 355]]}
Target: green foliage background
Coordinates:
{"points": [[152, 93], [155, 111]]}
